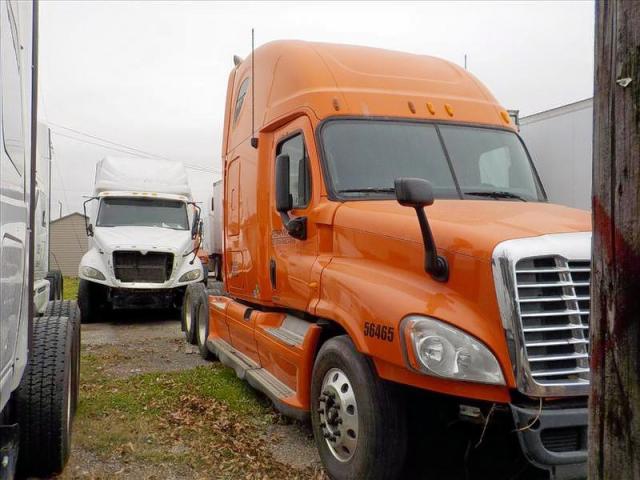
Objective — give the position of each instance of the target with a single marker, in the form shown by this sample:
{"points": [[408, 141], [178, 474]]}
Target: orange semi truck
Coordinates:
{"points": [[390, 256]]}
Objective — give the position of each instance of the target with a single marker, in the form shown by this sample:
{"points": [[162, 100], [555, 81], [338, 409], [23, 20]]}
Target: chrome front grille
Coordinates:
{"points": [[542, 289], [552, 295]]}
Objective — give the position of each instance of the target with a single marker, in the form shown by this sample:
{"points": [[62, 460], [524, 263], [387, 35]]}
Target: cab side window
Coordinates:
{"points": [[242, 93], [299, 174], [12, 132]]}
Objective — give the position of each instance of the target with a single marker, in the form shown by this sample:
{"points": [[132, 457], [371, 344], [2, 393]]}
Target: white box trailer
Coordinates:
{"points": [[143, 229], [560, 142]]}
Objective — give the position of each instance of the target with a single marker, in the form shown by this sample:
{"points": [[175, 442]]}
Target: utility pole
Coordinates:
{"points": [[614, 422]]}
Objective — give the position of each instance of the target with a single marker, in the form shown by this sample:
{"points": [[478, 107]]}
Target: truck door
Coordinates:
{"points": [[13, 195], [290, 259]]}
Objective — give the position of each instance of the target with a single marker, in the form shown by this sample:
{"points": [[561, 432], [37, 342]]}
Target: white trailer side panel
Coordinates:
{"points": [[560, 143]]}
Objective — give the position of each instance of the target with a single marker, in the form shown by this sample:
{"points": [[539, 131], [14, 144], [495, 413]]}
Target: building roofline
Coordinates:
{"points": [[68, 215]]}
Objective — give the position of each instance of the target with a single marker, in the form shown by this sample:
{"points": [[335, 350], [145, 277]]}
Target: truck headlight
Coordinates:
{"points": [[190, 275], [438, 349], [91, 272]]}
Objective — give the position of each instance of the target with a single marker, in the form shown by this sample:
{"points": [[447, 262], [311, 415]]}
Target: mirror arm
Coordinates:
{"points": [[434, 264], [296, 227]]}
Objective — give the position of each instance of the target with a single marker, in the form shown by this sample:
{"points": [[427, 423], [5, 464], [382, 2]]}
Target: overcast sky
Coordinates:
{"points": [[153, 75]]}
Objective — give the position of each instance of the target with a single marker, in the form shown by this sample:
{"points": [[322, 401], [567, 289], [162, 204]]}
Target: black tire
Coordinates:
{"points": [[70, 309], [188, 311], [381, 436], [56, 284], [92, 301], [205, 274], [217, 267], [44, 399], [60, 308], [201, 312]]}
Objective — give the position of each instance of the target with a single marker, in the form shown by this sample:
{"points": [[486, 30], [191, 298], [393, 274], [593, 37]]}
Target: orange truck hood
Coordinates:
{"points": [[468, 227]]}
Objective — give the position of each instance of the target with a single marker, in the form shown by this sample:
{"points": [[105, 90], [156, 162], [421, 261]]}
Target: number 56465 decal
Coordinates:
{"points": [[381, 332]]}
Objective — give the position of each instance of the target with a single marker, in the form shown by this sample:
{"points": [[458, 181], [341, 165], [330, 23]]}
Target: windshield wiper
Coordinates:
{"points": [[497, 194], [368, 190]]}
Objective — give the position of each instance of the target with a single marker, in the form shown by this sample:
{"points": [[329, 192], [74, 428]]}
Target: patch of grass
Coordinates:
{"points": [[204, 419], [70, 288]]}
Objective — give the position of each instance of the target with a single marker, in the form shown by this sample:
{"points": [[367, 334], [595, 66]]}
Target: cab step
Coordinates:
{"points": [[291, 332], [231, 357], [258, 377]]}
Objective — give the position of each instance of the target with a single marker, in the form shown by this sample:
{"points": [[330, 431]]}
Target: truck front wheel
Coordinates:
{"points": [[359, 426], [91, 299]]}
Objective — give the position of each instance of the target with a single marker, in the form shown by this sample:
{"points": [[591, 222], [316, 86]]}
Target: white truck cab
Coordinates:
{"points": [[144, 231]]}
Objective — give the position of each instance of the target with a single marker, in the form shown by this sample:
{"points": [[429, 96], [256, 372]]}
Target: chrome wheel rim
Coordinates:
{"points": [[338, 415], [202, 326]]}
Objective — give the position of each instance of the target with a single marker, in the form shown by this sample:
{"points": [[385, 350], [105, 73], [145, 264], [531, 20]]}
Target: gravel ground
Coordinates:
{"points": [[135, 344]]}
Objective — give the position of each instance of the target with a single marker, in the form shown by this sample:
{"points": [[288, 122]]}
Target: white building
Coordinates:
{"points": [[560, 143]]}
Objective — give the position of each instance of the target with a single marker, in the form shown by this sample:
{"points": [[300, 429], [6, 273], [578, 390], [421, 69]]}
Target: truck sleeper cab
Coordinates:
{"points": [[143, 237], [344, 305]]}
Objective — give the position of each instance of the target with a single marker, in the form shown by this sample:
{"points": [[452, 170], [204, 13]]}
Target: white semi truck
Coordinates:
{"points": [[144, 232], [39, 354]]}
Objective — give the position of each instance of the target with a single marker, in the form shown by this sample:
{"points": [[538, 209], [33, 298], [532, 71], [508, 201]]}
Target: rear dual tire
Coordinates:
{"points": [[56, 284], [359, 423], [70, 309], [195, 318], [46, 395]]}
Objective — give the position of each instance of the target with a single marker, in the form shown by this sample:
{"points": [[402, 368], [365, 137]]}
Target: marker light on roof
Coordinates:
{"points": [[449, 109], [432, 110]]}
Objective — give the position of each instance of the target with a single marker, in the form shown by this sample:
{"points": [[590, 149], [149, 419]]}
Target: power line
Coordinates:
{"points": [[122, 150], [107, 141]]}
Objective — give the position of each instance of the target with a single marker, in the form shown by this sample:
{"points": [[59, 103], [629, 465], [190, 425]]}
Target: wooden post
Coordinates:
{"points": [[614, 430]]}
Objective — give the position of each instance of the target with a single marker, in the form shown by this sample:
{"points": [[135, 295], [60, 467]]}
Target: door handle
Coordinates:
{"points": [[272, 273]]}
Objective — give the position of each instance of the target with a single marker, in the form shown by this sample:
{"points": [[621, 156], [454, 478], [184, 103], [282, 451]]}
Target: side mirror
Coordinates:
{"points": [[296, 227], [414, 192], [87, 226], [418, 193], [284, 201], [196, 223]]}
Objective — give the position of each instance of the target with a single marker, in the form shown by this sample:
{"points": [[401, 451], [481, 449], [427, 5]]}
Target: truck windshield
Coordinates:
{"points": [[142, 212], [363, 157]]}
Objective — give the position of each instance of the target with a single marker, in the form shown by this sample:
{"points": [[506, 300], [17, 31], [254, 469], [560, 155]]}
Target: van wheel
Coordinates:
{"points": [[91, 300], [188, 311], [359, 424], [201, 311], [44, 399]]}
